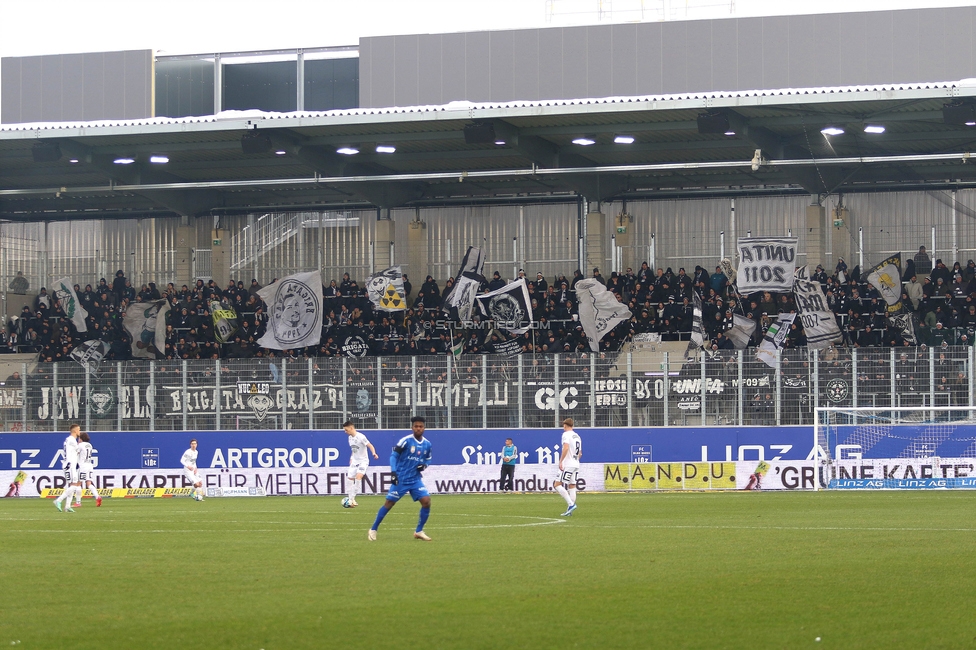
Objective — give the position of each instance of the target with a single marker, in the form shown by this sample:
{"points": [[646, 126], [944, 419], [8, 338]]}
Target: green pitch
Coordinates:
{"points": [[740, 570]]}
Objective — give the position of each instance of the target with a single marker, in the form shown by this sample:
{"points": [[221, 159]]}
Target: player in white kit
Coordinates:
{"points": [[358, 459], [572, 450], [70, 466], [86, 469], [189, 462]]}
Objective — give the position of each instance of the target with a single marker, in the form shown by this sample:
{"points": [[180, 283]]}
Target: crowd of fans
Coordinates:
{"points": [[943, 299]]}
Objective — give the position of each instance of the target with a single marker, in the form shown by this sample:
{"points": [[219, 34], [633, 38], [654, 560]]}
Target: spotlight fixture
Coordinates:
{"points": [[157, 159], [623, 139], [499, 143], [730, 133], [584, 141], [959, 112], [713, 123], [280, 152], [874, 128], [73, 161], [124, 161], [347, 151], [46, 152], [385, 148], [832, 130]]}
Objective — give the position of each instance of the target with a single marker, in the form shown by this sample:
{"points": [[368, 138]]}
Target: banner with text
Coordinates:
{"points": [[766, 264]]}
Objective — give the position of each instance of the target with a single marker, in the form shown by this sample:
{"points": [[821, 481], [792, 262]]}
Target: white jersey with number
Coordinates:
{"points": [[86, 461], [189, 458], [70, 453], [572, 439], [360, 452]]}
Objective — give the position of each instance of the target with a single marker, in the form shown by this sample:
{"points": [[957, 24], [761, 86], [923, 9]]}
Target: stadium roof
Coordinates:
{"points": [[536, 159]]}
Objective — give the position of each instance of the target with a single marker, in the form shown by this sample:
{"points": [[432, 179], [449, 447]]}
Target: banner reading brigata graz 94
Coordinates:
{"points": [[129, 401]]}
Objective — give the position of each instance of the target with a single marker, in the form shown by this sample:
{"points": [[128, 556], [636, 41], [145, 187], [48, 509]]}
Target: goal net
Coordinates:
{"points": [[906, 447]]}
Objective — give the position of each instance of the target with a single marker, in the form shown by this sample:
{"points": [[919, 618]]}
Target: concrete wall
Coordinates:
{"points": [[672, 57]]}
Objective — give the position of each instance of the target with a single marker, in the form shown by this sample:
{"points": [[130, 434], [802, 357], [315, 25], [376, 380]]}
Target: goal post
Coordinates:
{"points": [[896, 447]]}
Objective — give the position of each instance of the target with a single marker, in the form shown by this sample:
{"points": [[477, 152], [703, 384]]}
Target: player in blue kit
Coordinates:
{"points": [[410, 458]]}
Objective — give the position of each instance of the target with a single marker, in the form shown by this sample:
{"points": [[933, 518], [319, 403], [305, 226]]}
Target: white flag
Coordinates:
{"points": [[697, 329], [741, 332], [819, 324], [886, 278], [385, 289], [466, 284], [766, 263], [64, 291], [146, 323], [599, 310], [294, 312], [509, 307], [774, 339]]}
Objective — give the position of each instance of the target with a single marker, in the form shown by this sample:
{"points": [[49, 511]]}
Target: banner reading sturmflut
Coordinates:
{"points": [[146, 323], [64, 291], [599, 310], [819, 323], [766, 264], [294, 312], [510, 307]]}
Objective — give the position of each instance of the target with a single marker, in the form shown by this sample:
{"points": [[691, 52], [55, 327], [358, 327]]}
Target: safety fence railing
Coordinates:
{"points": [[628, 389]]}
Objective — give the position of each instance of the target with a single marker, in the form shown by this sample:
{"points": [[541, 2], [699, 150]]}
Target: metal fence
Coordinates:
{"points": [[597, 390]]}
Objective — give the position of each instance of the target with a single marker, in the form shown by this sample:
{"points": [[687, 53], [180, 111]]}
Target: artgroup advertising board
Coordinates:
{"points": [[302, 462]]}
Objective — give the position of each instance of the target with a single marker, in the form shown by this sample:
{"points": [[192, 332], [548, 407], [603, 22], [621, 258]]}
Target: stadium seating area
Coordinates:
{"points": [[944, 300]]}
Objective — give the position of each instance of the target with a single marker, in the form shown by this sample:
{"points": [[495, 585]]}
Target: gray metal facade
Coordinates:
{"points": [[77, 87], [536, 237], [670, 57]]}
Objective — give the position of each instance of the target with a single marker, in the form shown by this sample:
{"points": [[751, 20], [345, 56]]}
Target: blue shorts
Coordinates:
{"points": [[416, 490]]}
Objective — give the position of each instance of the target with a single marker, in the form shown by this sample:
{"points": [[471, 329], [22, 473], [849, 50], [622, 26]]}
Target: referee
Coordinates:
{"points": [[509, 458]]}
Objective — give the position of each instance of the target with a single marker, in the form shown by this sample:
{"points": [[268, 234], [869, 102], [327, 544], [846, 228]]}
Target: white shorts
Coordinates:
{"points": [[192, 477], [86, 474], [567, 476], [356, 469], [71, 474]]}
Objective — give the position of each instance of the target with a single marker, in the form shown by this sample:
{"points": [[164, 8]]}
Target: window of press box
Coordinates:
{"points": [[263, 86], [331, 84], [184, 87]]}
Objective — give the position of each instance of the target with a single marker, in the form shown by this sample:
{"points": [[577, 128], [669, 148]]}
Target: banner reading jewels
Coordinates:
{"points": [[68, 400]]}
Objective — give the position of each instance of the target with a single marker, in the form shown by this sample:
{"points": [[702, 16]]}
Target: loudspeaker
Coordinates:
{"points": [[255, 142], [713, 123], [479, 133], [46, 152], [959, 113]]}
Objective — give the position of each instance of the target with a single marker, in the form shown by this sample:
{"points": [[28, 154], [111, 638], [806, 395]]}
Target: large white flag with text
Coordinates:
{"points": [[294, 312], [766, 264]]}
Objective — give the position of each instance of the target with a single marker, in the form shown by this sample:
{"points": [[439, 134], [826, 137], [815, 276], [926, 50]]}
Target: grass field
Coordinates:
{"points": [[738, 570]]}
